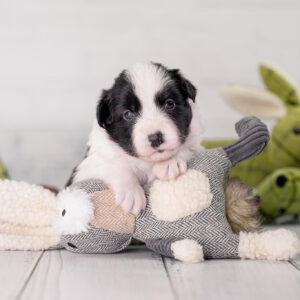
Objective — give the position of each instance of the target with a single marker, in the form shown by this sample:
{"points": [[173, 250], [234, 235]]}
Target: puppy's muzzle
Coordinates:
{"points": [[156, 139]]}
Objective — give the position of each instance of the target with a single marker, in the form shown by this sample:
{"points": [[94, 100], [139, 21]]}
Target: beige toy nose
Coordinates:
{"points": [[156, 139]]}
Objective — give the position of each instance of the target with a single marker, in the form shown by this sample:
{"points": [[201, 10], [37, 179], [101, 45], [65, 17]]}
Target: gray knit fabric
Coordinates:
{"points": [[254, 139], [208, 227], [96, 240]]}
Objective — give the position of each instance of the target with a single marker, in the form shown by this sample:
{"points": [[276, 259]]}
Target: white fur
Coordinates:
{"points": [[147, 80], [188, 251], [79, 211], [125, 174], [23, 242], [279, 244], [26, 216], [175, 199], [26, 204]]}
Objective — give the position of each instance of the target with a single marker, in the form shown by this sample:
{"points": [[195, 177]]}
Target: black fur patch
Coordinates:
{"points": [[179, 90], [110, 110]]}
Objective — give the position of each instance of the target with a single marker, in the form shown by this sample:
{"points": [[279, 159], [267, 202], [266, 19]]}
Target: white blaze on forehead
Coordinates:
{"points": [[147, 80]]}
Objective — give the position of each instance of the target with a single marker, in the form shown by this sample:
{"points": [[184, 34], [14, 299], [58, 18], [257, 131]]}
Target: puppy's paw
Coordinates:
{"points": [[169, 169], [131, 198]]}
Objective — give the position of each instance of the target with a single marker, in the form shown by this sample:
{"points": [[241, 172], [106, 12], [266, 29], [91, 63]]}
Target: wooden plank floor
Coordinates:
{"points": [[141, 274]]}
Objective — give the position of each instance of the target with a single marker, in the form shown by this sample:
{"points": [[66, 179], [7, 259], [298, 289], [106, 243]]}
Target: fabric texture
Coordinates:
{"points": [[207, 227]]}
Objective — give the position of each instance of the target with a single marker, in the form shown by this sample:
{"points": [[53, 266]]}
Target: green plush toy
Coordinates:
{"points": [[3, 173], [276, 172]]}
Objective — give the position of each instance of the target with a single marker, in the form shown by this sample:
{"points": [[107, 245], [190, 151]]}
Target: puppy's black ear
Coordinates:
{"points": [[190, 89], [104, 109], [186, 86]]}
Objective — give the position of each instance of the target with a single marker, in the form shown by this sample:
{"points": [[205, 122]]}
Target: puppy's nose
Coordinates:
{"points": [[156, 139]]}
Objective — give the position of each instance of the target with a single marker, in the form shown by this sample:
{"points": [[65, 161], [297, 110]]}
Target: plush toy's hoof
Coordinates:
{"points": [[188, 251], [280, 244]]}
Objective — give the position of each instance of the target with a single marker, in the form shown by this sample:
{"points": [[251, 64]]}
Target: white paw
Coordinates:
{"points": [[279, 244], [169, 169], [131, 198], [188, 251]]}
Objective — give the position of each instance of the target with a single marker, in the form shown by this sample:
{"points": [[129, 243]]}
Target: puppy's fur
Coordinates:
{"points": [[147, 126]]}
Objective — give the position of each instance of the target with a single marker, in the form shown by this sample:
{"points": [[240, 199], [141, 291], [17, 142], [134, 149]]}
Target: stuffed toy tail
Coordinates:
{"points": [[242, 206]]}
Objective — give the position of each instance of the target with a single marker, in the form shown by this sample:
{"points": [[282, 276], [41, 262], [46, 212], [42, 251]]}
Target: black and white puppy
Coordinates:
{"points": [[147, 126]]}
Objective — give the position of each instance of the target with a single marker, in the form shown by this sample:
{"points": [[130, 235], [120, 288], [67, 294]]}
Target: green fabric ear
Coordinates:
{"points": [[3, 172], [280, 84], [283, 150], [280, 193]]}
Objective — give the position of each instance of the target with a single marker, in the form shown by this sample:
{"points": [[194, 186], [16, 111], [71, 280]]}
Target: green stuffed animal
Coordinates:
{"points": [[276, 172], [3, 173]]}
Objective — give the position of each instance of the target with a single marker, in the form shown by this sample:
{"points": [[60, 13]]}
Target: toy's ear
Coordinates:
{"points": [[104, 109], [280, 84], [253, 101]]}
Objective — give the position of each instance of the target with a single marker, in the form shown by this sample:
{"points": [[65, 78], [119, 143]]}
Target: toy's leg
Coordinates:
{"points": [[186, 250], [279, 244]]}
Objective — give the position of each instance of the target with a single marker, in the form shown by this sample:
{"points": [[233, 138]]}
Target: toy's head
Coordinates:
{"points": [[280, 193], [284, 150], [282, 103]]}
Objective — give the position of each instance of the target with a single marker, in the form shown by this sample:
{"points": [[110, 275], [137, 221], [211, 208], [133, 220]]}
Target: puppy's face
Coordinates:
{"points": [[147, 111]]}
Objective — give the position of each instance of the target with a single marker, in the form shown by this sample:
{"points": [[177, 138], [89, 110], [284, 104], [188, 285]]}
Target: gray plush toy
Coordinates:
{"points": [[185, 218]]}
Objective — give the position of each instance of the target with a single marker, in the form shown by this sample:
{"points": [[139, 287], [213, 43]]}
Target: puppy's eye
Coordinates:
{"points": [[128, 115], [297, 130], [169, 104]]}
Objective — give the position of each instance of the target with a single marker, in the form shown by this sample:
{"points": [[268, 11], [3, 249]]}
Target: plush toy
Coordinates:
{"points": [[276, 172], [3, 172], [184, 218]]}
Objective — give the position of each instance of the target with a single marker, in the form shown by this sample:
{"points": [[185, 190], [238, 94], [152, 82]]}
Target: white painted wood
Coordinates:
{"points": [[56, 56], [236, 279], [135, 274], [46, 157], [16, 269]]}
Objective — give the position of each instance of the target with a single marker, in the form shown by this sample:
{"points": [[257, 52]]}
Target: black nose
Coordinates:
{"points": [[156, 139]]}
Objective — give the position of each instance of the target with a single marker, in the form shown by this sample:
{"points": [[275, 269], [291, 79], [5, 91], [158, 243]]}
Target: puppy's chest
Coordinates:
{"points": [[143, 171]]}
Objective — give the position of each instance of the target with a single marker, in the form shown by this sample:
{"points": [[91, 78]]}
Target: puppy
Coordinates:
{"points": [[147, 125]]}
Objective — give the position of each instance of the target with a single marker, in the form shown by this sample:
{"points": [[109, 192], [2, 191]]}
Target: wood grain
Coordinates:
{"points": [[236, 279], [16, 269], [134, 274]]}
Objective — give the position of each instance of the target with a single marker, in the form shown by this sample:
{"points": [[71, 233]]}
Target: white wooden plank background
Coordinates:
{"points": [[56, 56], [141, 274]]}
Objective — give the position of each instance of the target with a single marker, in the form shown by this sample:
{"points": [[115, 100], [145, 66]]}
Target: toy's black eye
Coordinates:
{"points": [[71, 245], [293, 102], [282, 211], [281, 180], [128, 115], [297, 130], [169, 104]]}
